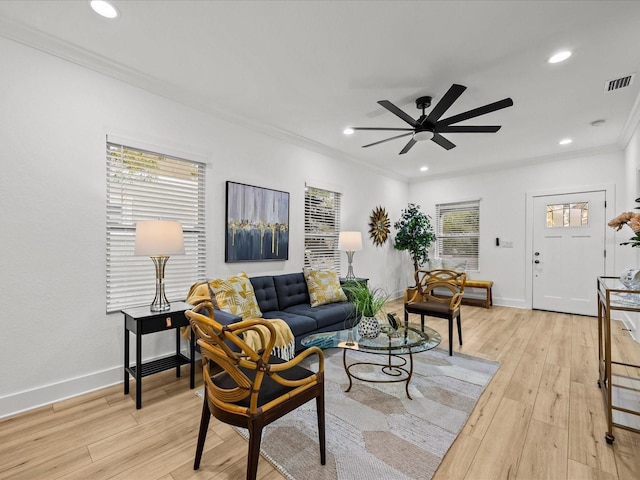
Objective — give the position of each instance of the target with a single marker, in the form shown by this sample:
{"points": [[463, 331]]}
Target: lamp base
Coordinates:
{"points": [[350, 275], [160, 302], [160, 306]]}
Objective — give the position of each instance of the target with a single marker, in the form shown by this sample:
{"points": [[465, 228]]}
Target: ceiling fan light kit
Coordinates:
{"points": [[422, 135], [430, 127]]}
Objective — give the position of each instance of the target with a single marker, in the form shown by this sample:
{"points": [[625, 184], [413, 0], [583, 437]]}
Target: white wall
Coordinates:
{"points": [[632, 255], [503, 211], [57, 340]]}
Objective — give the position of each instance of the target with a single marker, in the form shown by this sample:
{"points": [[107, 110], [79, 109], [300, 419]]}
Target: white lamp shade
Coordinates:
{"points": [[350, 241], [159, 238]]}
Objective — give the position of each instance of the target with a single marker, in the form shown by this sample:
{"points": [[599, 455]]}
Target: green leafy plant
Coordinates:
{"points": [[368, 302], [415, 234]]}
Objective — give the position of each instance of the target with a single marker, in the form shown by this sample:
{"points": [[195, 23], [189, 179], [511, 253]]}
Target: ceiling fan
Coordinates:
{"points": [[430, 127]]}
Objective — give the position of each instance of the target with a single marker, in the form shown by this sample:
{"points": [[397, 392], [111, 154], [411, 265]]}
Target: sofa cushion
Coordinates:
{"points": [[265, 291], [235, 295], [324, 287], [291, 289], [300, 325], [328, 314]]}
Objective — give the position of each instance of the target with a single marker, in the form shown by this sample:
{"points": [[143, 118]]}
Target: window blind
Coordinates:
{"points": [[458, 232], [143, 185], [321, 229]]}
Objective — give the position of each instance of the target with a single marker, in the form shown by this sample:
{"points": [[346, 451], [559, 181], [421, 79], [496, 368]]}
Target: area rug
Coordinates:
{"points": [[374, 431]]}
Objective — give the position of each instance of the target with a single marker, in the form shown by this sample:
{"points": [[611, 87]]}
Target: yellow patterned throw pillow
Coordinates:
{"points": [[235, 295], [324, 287]]}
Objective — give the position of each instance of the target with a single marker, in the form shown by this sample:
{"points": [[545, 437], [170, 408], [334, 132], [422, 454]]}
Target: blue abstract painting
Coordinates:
{"points": [[257, 224]]}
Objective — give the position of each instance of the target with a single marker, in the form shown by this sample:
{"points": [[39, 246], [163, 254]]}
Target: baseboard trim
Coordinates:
{"points": [[46, 395], [629, 323]]}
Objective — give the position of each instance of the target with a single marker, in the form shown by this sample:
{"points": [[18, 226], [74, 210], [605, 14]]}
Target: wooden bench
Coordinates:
{"points": [[484, 284]]}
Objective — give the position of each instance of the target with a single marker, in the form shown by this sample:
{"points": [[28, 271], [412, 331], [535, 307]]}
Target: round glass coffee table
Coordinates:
{"points": [[396, 345]]}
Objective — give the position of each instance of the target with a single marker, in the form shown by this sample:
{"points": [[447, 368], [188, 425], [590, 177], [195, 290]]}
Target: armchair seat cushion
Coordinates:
{"points": [[429, 307], [269, 389]]}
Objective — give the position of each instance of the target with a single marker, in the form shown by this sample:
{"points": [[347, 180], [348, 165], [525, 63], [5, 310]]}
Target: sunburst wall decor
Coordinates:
{"points": [[379, 226]]}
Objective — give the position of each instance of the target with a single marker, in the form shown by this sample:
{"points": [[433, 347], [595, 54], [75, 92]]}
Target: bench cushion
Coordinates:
{"points": [[478, 283]]}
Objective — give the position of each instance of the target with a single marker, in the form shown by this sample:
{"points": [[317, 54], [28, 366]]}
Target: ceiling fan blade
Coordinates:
{"points": [[383, 128], [445, 102], [408, 146], [476, 112], [386, 140], [443, 142], [399, 113], [469, 128]]}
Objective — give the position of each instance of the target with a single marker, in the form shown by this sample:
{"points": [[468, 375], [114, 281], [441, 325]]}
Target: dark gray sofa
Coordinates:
{"points": [[286, 297]]}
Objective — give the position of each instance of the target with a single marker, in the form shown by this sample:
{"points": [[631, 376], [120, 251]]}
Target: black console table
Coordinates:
{"points": [[140, 321]]}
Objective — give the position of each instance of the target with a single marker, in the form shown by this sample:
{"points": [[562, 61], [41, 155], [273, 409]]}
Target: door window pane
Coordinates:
{"points": [[568, 215]]}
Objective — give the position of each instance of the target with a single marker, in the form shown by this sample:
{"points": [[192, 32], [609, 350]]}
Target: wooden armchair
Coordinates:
{"points": [[253, 388], [438, 294]]}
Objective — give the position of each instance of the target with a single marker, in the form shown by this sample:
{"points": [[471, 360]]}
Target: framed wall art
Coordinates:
{"points": [[257, 224], [379, 226]]}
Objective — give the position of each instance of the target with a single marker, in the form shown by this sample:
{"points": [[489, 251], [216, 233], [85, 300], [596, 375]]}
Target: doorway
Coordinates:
{"points": [[568, 251]]}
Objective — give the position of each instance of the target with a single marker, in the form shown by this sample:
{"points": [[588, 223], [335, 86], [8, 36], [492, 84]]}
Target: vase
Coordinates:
{"points": [[630, 278], [369, 327]]}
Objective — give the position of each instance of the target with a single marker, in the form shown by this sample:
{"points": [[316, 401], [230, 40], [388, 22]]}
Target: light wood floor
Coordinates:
{"points": [[541, 417]]}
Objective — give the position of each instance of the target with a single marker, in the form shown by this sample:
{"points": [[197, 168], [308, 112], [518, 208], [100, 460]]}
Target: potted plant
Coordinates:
{"points": [[368, 303], [415, 234]]}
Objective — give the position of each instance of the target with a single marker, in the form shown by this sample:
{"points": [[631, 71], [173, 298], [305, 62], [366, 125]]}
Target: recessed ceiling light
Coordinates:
{"points": [[104, 8], [565, 141], [348, 131], [424, 169], [560, 56]]}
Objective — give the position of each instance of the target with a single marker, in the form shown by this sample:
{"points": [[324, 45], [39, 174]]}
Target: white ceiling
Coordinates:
{"points": [[304, 70]]}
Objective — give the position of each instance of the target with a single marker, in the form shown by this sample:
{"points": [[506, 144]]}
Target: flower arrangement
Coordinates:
{"points": [[631, 219]]}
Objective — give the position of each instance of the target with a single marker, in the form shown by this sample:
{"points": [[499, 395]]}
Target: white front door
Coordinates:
{"points": [[568, 251]]}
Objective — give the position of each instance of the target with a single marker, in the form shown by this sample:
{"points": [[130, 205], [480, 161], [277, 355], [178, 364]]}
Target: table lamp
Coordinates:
{"points": [[350, 242], [159, 239]]}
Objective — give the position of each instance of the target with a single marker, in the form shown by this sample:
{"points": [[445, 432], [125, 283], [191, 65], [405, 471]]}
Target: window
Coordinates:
{"points": [[458, 231], [142, 185], [321, 228], [568, 215]]}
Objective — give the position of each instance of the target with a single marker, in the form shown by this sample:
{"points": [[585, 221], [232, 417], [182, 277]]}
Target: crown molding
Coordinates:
{"points": [[509, 165]]}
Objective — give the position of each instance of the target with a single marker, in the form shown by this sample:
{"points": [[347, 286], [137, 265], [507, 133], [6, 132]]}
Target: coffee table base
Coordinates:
{"points": [[398, 371]]}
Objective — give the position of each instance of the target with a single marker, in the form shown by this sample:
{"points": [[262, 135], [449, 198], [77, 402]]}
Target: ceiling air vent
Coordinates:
{"points": [[618, 83]]}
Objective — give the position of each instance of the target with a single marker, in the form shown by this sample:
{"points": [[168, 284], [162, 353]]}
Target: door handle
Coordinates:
{"points": [[536, 261]]}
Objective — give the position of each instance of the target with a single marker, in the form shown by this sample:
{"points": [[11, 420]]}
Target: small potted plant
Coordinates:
{"points": [[368, 303]]}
